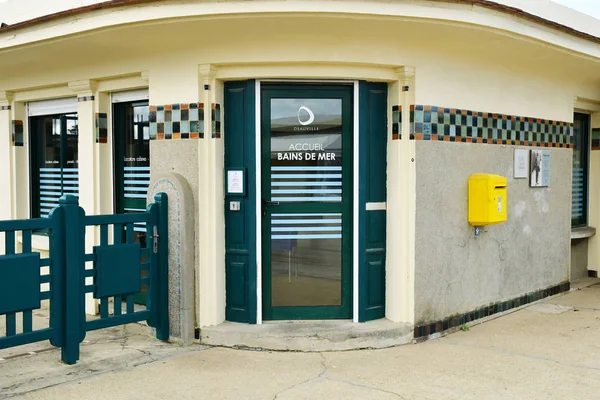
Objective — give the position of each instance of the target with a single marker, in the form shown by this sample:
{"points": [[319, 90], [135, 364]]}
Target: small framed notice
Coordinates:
{"points": [[235, 181], [521, 163], [540, 168]]}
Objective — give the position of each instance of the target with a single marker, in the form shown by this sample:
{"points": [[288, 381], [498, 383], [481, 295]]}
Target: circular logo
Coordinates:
{"points": [[311, 116]]}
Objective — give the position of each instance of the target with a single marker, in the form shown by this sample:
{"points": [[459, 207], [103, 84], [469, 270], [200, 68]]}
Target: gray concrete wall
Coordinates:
{"points": [[179, 156], [579, 258], [457, 271]]}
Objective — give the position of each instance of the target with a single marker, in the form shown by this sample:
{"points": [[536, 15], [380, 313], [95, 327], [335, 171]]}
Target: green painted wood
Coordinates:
{"points": [[117, 270], [74, 299], [9, 242], [103, 235], [372, 188], [118, 233], [115, 219], [116, 321], [345, 93], [25, 338], [118, 305], [19, 284], [103, 307], [26, 241], [27, 321], [130, 304], [11, 324], [67, 275], [26, 224], [160, 214], [27, 314], [57, 276], [240, 226]]}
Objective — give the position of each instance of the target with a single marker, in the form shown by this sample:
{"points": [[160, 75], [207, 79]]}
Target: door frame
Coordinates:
{"points": [[355, 165]]}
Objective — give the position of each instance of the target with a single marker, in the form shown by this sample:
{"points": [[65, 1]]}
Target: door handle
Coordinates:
{"points": [[270, 203]]}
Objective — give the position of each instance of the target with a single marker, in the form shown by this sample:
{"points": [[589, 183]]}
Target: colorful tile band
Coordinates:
{"points": [[466, 126], [396, 122], [177, 121], [17, 132], [596, 139], [85, 98], [216, 120], [101, 128]]}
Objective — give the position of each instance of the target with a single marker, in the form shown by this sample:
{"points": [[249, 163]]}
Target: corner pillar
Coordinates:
{"points": [[400, 260], [88, 159], [211, 279], [7, 203]]}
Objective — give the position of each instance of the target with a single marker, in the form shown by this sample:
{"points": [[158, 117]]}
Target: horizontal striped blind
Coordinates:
{"points": [[54, 182], [320, 183], [136, 182], [305, 226], [578, 193]]}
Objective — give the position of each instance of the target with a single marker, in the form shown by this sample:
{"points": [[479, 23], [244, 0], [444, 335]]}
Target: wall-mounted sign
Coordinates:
{"points": [[521, 163], [539, 166], [235, 182]]}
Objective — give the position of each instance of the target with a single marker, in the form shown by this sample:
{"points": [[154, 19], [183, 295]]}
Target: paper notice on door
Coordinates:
{"points": [[235, 182]]}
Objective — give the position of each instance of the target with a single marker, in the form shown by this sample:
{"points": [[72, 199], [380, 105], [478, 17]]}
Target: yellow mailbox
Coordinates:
{"points": [[487, 199]]}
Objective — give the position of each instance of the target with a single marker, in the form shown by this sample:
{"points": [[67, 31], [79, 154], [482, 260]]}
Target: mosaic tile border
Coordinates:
{"points": [[177, 121], [396, 122], [596, 139], [85, 98], [5, 108], [17, 132], [216, 120], [467, 126], [101, 128], [421, 331]]}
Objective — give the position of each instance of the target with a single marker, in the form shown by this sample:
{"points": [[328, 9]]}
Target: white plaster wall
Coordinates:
{"points": [[593, 256]]}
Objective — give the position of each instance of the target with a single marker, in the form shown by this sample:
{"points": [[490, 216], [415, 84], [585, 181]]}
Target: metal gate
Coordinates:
{"points": [[117, 267]]}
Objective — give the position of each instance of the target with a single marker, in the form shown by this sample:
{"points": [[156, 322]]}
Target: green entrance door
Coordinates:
{"points": [[307, 195], [132, 166]]}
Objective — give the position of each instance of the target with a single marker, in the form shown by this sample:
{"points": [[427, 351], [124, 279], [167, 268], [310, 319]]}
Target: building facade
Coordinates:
{"points": [[321, 151]]}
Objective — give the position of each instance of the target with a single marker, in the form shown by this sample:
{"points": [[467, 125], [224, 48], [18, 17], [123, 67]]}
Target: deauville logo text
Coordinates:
{"points": [[305, 122]]}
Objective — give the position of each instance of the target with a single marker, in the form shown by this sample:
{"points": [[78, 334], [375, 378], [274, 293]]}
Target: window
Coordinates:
{"points": [[132, 159], [54, 161], [581, 138]]}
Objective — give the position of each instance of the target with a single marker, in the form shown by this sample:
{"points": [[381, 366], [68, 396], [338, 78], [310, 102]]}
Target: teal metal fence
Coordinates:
{"points": [[119, 270]]}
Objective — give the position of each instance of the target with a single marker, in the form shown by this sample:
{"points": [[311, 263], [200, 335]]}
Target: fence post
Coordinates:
{"points": [[162, 305], [74, 279], [57, 276]]}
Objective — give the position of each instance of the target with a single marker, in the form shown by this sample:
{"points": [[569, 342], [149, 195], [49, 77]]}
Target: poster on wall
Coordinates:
{"points": [[539, 168], [521, 169]]}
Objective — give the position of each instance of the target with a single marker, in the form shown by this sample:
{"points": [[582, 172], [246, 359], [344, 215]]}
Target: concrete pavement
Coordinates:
{"points": [[547, 350]]}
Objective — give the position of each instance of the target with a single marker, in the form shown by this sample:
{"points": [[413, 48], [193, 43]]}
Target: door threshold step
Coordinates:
{"points": [[309, 336]]}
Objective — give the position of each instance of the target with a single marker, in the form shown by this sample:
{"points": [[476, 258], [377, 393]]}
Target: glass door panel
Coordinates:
{"points": [[132, 166], [307, 190], [306, 259], [54, 161]]}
